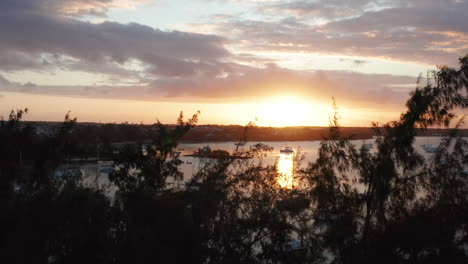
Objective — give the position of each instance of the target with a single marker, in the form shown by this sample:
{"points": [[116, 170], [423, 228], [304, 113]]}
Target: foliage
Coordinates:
{"points": [[351, 205]]}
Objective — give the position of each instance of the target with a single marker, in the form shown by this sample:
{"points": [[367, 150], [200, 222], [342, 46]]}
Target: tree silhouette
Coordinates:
{"points": [[351, 205]]}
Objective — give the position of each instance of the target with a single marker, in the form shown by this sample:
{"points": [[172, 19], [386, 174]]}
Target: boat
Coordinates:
{"points": [[429, 148], [206, 149], [240, 144], [368, 146], [287, 150]]}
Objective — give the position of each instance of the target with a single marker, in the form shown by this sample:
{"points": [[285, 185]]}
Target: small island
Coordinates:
{"points": [[207, 152]]}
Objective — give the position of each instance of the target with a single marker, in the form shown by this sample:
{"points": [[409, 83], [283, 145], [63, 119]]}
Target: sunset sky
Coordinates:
{"points": [[276, 61]]}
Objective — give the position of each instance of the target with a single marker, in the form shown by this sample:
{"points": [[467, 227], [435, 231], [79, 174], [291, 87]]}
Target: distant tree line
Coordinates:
{"points": [[91, 140], [349, 206]]}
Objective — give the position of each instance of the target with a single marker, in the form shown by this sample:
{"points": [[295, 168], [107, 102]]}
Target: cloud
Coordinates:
{"points": [[4, 82], [332, 10], [428, 48], [318, 9], [33, 40], [74, 8], [248, 82], [450, 17], [427, 32], [47, 35], [355, 62], [349, 86]]}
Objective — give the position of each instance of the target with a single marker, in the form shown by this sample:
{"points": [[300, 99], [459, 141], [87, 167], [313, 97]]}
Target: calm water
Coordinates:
{"points": [[284, 161]]}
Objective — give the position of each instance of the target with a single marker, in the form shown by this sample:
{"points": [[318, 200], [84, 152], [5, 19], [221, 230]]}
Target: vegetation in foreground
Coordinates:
{"points": [[349, 206]]}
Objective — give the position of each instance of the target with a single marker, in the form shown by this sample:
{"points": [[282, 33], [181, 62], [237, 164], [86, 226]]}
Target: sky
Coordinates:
{"points": [[275, 62]]}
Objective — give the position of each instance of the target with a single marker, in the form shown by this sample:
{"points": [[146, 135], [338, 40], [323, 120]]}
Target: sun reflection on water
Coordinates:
{"points": [[285, 169]]}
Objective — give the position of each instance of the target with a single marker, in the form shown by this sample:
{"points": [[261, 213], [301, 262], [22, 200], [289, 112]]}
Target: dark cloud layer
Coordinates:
{"points": [[423, 31], [65, 7], [42, 36], [166, 53]]}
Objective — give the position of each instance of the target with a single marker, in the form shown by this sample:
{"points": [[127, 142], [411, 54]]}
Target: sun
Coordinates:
{"points": [[281, 111]]}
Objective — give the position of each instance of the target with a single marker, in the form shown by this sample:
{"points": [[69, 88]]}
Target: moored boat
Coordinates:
{"points": [[287, 150]]}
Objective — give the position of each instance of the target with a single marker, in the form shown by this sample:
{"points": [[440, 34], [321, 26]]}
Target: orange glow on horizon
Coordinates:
{"points": [[277, 111], [282, 111]]}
